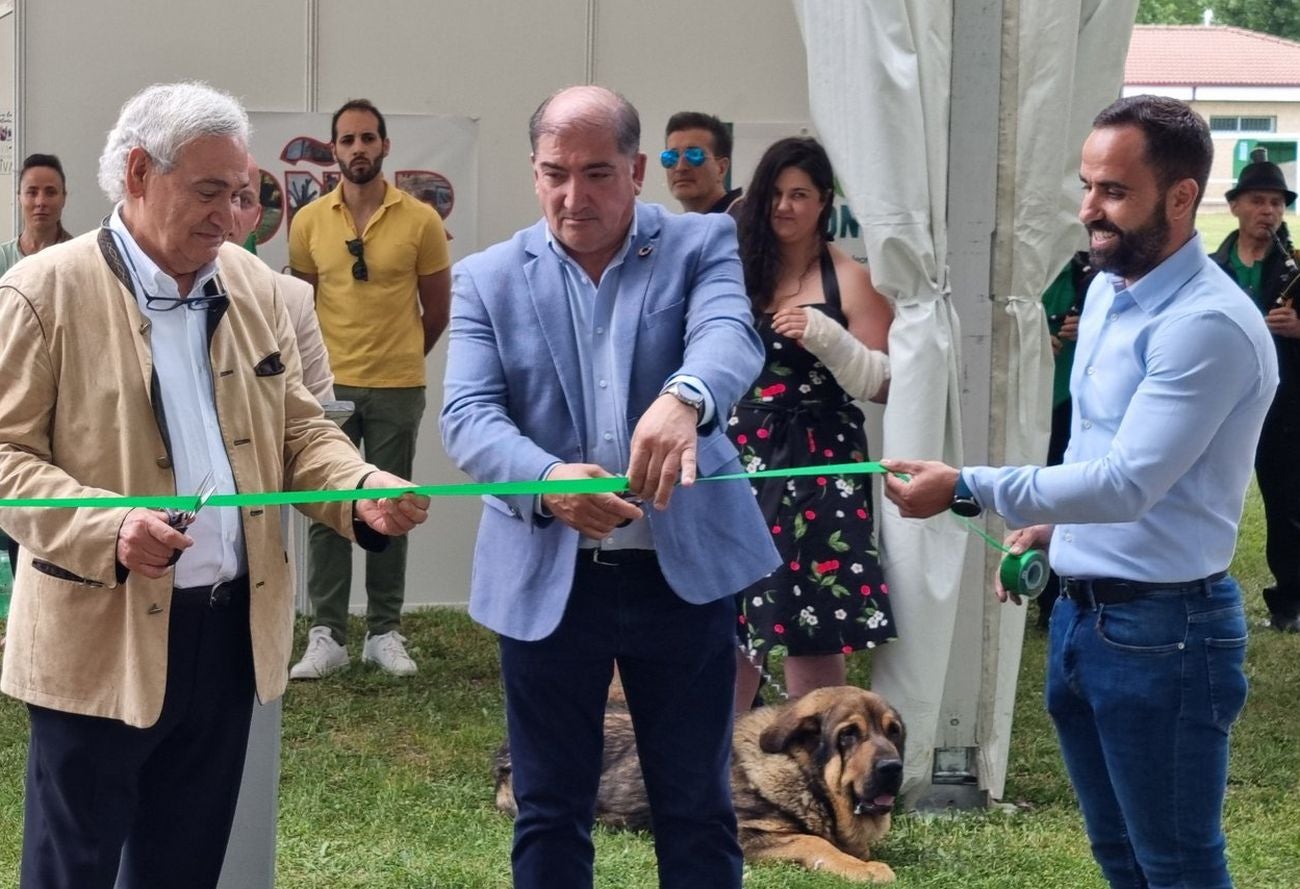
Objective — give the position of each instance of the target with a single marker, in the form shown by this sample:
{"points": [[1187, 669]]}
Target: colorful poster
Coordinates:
{"points": [[8, 187]]}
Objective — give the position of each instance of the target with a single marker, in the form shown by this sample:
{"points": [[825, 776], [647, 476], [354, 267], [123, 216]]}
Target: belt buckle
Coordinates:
{"points": [[1079, 592], [596, 560], [219, 595]]}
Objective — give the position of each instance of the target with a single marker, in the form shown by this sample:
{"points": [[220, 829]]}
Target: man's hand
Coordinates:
{"points": [[928, 492], [392, 516], [592, 515], [145, 543], [1069, 327], [1282, 321], [1033, 537], [663, 444]]}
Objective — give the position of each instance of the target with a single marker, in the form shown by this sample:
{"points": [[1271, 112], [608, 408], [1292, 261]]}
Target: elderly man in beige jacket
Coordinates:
{"points": [[153, 355]]}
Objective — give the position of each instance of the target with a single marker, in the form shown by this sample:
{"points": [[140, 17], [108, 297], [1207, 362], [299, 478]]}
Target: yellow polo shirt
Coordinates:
{"points": [[371, 328]]}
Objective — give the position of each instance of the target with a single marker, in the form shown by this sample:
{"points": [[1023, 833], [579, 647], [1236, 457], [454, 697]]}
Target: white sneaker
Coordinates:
{"points": [[322, 657], [388, 652]]}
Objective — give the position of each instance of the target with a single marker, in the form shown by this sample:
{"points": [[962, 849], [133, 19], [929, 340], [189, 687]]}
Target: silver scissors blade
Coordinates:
{"points": [[207, 488]]}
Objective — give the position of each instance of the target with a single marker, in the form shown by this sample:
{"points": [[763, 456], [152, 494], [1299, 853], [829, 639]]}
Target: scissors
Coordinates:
{"points": [[180, 519]]}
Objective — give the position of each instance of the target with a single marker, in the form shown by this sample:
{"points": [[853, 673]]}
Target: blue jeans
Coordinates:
{"points": [[677, 662], [1143, 695]]}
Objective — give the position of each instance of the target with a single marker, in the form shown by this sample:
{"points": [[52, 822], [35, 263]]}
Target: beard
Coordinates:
{"points": [[363, 175], [1135, 252]]}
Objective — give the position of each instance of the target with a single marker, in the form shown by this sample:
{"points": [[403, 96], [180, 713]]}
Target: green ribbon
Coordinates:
{"points": [[613, 484]]}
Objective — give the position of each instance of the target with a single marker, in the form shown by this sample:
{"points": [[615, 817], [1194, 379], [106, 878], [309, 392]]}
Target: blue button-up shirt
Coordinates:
{"points": [[1171, 381], [608, 443]]}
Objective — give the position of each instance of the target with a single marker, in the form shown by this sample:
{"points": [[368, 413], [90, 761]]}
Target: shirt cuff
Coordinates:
{"points": [[965, 488], [538, 508]]}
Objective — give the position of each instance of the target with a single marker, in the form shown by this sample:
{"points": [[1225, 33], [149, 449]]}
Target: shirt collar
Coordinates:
{"points": [[151, 279], [614, 262], [723, 204], [1158, 286], [391, 195]]}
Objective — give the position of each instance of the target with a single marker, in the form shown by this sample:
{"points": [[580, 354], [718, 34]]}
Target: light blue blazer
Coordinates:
{"points": [[513, 406]]}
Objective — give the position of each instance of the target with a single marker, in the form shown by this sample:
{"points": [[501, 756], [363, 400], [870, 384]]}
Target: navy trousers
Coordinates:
{"points": [[678, 665], [157, 803]]}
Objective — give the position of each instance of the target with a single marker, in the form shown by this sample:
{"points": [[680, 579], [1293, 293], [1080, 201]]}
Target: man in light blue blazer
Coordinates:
{"points": [[610, 338]]}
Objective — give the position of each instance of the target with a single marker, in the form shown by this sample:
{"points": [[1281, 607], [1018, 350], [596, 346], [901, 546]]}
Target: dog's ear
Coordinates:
{"points": [[792, 727]]}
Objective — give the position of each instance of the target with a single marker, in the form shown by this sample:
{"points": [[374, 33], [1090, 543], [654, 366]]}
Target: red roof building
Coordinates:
{"points": [[1246, 84], [1210, 56]]}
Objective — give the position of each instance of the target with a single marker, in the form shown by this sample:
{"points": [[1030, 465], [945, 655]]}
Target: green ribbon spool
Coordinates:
{"points": [[1024, 575]]}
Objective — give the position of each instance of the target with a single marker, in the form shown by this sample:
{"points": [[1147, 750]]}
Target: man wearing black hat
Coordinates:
{"points": [[1259, 256]]}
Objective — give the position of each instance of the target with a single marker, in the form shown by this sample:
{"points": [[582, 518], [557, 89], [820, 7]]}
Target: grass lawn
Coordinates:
{"points": [[1214, 227], [386, 783]]}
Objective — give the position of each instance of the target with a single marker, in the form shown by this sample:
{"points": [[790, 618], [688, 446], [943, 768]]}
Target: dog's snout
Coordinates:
{"points": [[889, 773]]}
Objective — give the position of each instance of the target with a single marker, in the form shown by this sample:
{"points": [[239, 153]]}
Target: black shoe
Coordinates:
{"points": [[1284, 623], [1283, 610]]}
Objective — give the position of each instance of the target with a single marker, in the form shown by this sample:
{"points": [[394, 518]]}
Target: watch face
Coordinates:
{"points": [[681, 393], [966, 507]]}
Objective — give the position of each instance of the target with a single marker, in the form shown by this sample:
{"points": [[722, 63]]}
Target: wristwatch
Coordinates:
{"points": [[686, 394], [964, 503]]}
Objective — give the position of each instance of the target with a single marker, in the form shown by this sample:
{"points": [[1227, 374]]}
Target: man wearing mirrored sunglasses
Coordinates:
{"points": [[379, 262], [696, 158]]}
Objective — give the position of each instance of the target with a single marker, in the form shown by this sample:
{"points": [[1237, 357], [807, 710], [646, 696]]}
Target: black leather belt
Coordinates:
{"points": [[1092, 591], [616, 558], [217, 595]]}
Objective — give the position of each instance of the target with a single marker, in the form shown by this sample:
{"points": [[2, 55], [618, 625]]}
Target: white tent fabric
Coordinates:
{"points": [[879, 74], [1063, 61]]}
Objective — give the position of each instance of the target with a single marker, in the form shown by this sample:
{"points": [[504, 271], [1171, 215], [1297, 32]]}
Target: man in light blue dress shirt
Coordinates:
{"points": [[1171, 381]]}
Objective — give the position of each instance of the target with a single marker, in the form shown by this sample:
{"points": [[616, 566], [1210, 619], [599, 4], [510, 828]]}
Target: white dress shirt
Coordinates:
{"points": [[178, 340]]}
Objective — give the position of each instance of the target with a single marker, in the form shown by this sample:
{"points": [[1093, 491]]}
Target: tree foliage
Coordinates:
{"points": [[1170, 12], [1281, 18]]}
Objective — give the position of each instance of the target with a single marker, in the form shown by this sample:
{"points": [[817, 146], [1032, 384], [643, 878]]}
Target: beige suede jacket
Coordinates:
{"points": [[77, 419]]}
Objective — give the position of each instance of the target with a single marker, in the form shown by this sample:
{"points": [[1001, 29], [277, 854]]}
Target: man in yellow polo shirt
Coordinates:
{"points": [[379, 262]]}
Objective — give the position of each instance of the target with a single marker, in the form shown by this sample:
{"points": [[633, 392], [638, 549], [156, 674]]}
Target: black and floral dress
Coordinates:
{"points": [[829, 595]]}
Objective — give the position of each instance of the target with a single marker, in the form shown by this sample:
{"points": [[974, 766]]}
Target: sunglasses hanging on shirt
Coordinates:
{"points": [[214, 291], [358, 249]]}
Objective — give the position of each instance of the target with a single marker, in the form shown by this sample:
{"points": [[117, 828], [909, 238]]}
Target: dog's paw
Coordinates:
{"points": [[861, 871]]}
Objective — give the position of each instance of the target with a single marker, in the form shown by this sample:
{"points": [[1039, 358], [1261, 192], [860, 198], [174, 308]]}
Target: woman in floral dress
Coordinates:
{"points": [[829, 598]]}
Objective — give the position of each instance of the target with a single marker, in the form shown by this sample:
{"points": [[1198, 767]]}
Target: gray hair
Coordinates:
{"points": [[599, 107], [162, 119]]}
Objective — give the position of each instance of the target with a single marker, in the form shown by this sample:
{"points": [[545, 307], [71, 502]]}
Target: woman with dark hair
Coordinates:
{"points": [[42, 192], [826, 331]]}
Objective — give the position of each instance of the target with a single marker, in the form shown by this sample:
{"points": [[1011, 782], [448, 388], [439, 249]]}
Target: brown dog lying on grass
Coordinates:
{"points": [[813, 780]]}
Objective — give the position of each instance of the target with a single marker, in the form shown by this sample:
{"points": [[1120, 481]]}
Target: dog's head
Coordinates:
{"points": [[852, 737]]}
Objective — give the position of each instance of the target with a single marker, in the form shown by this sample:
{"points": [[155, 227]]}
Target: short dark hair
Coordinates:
{"points": [[619, 111], [698, 120], [1178, 143], [357, 105], [44, 160], [759, 252]]}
